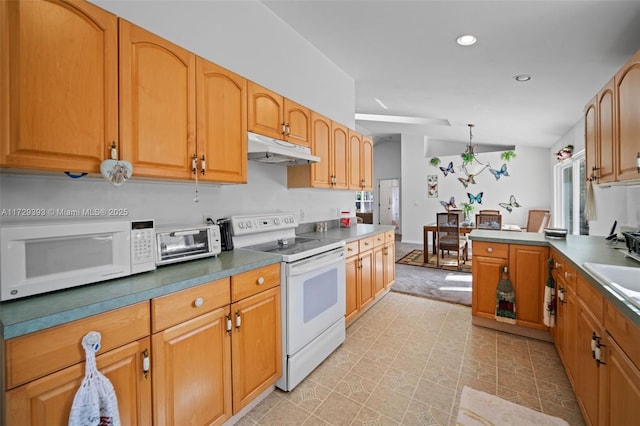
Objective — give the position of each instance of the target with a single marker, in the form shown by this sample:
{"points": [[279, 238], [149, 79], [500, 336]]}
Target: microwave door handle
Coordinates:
{"points": [[183, 233]]}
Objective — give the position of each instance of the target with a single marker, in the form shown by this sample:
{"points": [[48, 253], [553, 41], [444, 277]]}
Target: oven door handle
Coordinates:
{"points": [[295, 271]]}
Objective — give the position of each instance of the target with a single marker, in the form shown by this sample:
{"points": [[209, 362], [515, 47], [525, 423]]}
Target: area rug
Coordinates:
{"points": [[480, 408], [416, 258], [431, 283]]}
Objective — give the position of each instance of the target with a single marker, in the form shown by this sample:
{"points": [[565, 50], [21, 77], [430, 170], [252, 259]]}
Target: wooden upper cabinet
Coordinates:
{"points": [[221, 123], [627, 88], [606, 139], [265, 109], [157, 104], [366, 163], [355, 140], [58, 74], [590, 139], [297, 120], [273, 115], [340, 155]]}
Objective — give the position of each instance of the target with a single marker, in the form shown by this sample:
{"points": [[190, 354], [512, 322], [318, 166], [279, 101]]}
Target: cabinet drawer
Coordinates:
{"points": [[591, 298], [38, 354], [486, 249], [178, 307], [389, 236], [623, 331], [253, 282], [378, 240], [351, 248], [365, 244]]}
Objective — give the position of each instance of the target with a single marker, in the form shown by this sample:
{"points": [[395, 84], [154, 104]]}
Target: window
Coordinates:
{"points": [[570, 195]]}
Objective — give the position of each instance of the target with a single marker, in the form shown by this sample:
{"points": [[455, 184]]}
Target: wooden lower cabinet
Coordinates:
{"points": [[621, 388], [191, 364], [213, 349], [488, 260], [47, 401], [256, 346], [528, 273], [370, 271]]}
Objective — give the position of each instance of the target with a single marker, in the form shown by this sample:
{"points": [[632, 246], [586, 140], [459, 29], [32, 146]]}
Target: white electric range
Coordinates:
{"points": [[313, 289]]}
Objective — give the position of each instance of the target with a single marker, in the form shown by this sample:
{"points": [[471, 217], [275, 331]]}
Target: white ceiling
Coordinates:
{"points": [[404, 53]]}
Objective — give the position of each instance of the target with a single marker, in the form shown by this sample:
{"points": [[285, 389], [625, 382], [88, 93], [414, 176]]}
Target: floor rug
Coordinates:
{"points": [[416, 258], [431, 283], [480, 408]]}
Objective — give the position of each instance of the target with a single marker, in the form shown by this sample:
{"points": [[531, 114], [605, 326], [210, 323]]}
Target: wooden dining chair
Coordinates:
{"points": [[489, 221], [537, 220], [449, 238]]}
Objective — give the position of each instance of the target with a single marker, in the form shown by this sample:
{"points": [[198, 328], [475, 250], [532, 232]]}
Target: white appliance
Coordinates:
{"points": [[182, 244], [268, 150], [40, 258], [313, 290]]}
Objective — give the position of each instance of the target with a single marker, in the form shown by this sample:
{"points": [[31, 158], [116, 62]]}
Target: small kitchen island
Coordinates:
{"points": [[595, 330]]}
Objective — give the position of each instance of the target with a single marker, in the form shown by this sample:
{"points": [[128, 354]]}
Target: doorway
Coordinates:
{"points": [[389, 203]]}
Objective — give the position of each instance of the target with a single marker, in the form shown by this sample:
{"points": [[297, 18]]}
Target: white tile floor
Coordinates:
{"points": [[405, 362]]}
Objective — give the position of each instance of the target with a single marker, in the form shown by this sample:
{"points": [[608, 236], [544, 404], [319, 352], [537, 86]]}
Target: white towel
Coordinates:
{"points": [[549, 306]]}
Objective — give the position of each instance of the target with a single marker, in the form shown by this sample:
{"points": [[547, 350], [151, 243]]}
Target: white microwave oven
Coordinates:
{"points": [[40, 258]]}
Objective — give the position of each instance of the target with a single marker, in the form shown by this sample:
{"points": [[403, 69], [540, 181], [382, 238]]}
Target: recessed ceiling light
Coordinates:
{"points": [[522, 77], [466, 40]]}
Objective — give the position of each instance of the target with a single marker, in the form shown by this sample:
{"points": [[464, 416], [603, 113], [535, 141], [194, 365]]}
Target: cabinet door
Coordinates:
{"points": [[366, 278], [47, 401], [366, 164], [265, 111], [565, 329], [352, 287], [590, 139], [588, 374], [627, 82], [528, 276], [340, 155], [486, 273], [157, 104], [355, 142], [221, 123], [321, 146], [390, 264], [297, 121], [621, 391], [606, 132], [191, 367], [378, 270], [256, 346], [60, 70]]}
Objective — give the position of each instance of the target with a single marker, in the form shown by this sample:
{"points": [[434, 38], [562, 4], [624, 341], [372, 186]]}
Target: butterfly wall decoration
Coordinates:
{"points": [[510, 205], [448, 169], [466, 181], [449, 205], [501, 172], [475, 198]]}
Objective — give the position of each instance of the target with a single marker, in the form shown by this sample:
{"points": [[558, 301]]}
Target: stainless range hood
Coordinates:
{"points": [[268, 150]]}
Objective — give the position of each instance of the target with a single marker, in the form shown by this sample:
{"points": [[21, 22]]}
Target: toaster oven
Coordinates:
{"points": [[183, 244]]}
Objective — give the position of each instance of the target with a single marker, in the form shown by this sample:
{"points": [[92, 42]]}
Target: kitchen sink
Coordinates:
{"points": [[625, 280]]}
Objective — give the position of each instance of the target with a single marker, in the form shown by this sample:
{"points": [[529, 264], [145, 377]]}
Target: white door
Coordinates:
{"points": [[389, 202]]}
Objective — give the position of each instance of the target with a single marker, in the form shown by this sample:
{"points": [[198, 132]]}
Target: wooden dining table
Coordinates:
{"points": [[464, 229], [433, 228]]}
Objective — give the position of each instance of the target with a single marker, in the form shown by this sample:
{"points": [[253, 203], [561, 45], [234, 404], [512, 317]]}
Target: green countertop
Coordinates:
{"points": [[23, 316], [577, 249]]}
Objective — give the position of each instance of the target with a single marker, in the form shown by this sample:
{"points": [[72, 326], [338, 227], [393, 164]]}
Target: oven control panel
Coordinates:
{"points": [[252, 224]]}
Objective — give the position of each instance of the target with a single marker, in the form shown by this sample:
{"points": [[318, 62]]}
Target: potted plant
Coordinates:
{"points": [[435, 161], [468, 209]]}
